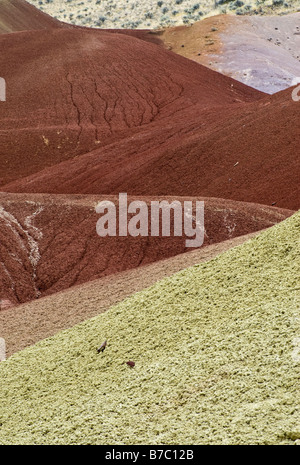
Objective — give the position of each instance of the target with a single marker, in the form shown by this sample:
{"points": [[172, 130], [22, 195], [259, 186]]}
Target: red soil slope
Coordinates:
{"points": [[18, 15], [71, 90], [97, 112], [247, 152], [49, 243]]}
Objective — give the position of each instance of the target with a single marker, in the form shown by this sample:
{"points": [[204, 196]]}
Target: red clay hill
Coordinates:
{"points": [[71, 90], [91, 113], [247, 152], [18, 15], [49, 242]]}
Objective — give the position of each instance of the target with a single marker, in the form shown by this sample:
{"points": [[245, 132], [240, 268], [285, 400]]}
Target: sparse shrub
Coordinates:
{"points": [[186, 19], [222, 2], [118, 13]]}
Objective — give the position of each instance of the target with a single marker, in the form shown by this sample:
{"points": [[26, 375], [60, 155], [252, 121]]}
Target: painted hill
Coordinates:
{"points": [[215, 352], [241, 46], [24, 326], [70, 91], [239, 152], [90, 113], [49, 243]]}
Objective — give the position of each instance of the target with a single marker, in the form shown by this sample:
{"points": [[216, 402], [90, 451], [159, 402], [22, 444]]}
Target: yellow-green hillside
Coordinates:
{"points": [[216, 350]]}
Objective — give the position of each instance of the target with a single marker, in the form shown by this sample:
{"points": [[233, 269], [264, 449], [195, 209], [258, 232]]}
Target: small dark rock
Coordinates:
{"points": [[102, 347]]}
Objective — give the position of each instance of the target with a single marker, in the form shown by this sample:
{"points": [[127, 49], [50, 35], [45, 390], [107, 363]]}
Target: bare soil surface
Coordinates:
{"points": [[246, 152], [19, 15], [260, 51], [83, 127], [28, 323], [50, 243], [90, 113], [71, 90]]}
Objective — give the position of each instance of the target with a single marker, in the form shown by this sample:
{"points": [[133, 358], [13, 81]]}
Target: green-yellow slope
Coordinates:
{"points": [[216, 350]]}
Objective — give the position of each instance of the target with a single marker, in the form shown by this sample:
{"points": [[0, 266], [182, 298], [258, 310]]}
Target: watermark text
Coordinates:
{"points": [[2, 90], [159, 218]]}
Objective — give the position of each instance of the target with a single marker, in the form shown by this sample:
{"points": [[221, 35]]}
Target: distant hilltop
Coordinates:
{"points": [[153, 14]]}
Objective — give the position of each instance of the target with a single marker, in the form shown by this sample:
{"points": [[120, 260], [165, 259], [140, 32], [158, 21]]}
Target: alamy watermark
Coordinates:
{"points": [[296, 91], [141, 219], [2, 90]]}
